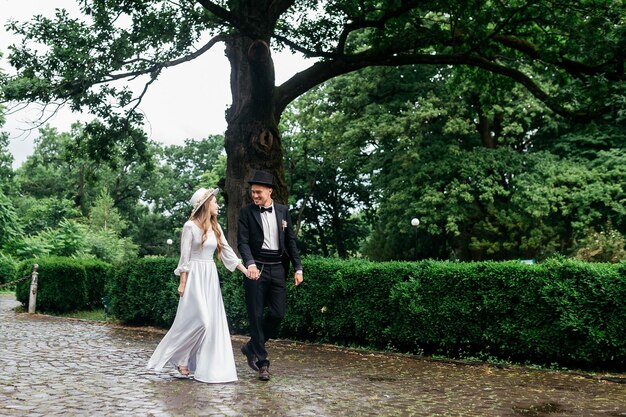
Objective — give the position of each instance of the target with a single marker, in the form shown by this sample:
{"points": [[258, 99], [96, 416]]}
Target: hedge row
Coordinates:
{"points": [[145, 292], [561, 311], [64, 284]]}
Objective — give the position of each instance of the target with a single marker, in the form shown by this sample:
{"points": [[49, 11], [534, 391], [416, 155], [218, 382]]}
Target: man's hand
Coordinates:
{"points": [[298, 278], [253, 272]]}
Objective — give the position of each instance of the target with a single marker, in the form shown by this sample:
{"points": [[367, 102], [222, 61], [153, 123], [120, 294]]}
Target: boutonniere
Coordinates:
{"points": [[284, 224]]}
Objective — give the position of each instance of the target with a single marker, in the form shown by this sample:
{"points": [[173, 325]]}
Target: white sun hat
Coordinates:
{"points": [[199, 197]]}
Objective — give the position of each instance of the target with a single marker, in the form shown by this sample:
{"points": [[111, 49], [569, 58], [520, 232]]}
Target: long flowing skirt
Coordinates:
{"points": [[199, 337]]}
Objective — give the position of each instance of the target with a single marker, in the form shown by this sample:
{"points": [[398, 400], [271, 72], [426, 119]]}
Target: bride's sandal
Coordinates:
{"points": [[183, 370]]}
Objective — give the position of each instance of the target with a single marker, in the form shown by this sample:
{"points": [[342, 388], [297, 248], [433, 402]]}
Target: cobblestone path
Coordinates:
{"points": [[62, 367]]}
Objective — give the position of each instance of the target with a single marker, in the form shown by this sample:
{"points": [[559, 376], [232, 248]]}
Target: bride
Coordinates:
{"points": [[198, 343]]}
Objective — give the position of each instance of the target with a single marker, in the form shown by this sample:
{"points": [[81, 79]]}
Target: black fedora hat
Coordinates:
{"points": [[262, 178]]}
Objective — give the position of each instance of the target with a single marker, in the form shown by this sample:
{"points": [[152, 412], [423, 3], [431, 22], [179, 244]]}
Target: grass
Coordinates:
{"points": [[93, 315]]}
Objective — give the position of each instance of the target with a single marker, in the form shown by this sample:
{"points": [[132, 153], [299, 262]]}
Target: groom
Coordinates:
{"points": [[267, 243]]}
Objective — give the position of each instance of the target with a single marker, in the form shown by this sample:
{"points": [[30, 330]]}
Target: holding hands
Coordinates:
{"points": [[244, 270], [253, 272]]}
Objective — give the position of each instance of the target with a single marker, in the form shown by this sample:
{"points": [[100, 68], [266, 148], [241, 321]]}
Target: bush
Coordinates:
{"points": [[457, 309], [61, 284], [144, 291], [589, 303], [561, 311], [234, 299], [64, 284], [343, 301], [314, 308], [97, 272]]}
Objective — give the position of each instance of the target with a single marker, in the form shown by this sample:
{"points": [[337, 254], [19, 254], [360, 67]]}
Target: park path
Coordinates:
{"points": [[52, 366]]}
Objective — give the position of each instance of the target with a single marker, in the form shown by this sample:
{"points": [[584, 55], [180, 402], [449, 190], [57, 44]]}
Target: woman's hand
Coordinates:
{"points": [[244, 270], [183, 282]]}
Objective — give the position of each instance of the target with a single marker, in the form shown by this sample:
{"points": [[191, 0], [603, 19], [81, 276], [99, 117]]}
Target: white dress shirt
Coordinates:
{"points": [[270, 229]]}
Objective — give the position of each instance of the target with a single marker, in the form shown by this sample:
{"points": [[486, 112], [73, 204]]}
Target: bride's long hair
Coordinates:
{"points": [[207, 222]]}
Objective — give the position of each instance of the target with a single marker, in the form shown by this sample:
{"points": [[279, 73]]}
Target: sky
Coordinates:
{"points": [[186, 102]]}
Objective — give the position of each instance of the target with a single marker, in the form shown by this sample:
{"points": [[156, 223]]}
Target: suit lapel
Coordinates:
{"points": [[280, 215], [256, 213]]}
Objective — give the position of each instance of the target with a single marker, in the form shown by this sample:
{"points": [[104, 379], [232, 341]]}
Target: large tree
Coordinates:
{"points": [[579, 46]]}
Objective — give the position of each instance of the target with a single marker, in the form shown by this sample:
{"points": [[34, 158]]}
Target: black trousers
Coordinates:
{"points": [[269, 291]]}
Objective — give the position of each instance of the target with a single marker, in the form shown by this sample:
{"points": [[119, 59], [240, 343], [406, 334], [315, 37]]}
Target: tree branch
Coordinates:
{"points": [[325, 70], [405, 7], [159, 66], [572, 67], [278, 7], [229, 18], [306, 52], [218, 11], [137, 100]]}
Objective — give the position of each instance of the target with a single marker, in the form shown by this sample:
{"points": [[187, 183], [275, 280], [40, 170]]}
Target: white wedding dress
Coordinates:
{"points": [[199, 337]]}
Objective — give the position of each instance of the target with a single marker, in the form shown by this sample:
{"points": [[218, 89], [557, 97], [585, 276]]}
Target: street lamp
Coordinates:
{"points": [[169, 245], [415, 222]]}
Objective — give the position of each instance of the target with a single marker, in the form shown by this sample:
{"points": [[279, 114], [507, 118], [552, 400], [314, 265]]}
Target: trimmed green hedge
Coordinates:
{"points": [[64, 284], [143, 291], [97, 272], [562, 311]]}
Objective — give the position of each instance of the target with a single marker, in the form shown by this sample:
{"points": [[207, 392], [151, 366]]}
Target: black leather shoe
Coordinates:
{"points": [[264, 373], [250, 357]]}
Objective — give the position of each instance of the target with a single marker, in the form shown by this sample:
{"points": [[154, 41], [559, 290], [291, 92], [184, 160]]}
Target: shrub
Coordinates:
{"points": [[343, 301], [589, 301], [456, 308], [64, 284], [234, 299], [561, 311], [96, 272], [144, 291], [61, 284]]}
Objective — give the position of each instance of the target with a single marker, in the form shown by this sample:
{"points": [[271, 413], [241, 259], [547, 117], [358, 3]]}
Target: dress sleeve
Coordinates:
{"points": [[185, 249], [229, 258]]}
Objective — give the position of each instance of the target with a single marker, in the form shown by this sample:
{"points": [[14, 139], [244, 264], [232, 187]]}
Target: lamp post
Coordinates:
{"points": [[415, 222], [169, 245]]}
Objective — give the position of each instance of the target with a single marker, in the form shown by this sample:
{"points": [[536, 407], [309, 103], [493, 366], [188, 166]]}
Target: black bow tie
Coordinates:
{"points": [[268, 209]]}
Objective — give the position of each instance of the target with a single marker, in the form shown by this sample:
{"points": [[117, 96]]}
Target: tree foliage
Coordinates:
{"points": [[104, 216], [124, 208], [499, 124], [569, 56], [472, 167], [10, 225]]}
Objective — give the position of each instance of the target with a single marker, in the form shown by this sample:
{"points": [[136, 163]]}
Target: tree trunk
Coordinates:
{"points": [[483, 126], [252, 140], [79, 199]]}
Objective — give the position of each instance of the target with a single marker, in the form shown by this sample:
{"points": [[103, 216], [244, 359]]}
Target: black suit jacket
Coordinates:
{"points": [[250, 235]]}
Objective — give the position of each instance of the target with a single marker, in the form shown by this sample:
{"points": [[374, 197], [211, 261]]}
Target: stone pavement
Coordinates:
{"points": [[52, 366]]}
